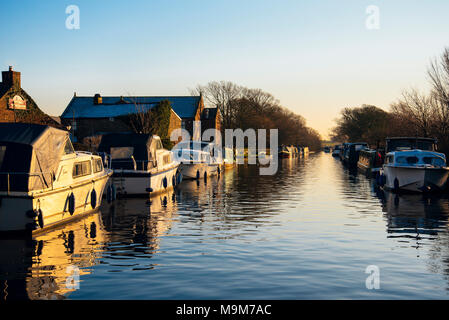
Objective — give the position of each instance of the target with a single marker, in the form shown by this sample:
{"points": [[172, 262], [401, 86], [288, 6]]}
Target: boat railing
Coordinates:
{"points": [[131, 164], [19, 181]]}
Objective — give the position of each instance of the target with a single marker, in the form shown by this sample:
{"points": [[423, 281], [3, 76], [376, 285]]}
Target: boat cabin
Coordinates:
{"points": [[133, 151], [415, 158]]}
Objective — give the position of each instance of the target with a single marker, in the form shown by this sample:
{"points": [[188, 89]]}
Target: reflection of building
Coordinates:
{"points": [[16, 105]]}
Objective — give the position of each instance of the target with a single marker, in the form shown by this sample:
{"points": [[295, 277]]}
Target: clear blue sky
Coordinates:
{"points": [[315, 56]]}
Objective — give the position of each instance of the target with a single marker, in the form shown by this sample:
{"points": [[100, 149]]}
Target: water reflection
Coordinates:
{"points": [[37, 268], [307, 232], [415, 216]]}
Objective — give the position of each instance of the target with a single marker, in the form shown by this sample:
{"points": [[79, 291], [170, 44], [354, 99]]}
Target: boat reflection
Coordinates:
{"points": [[414, 216], [42, 267]]}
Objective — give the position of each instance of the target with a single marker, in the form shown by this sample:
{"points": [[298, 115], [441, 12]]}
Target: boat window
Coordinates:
{"points": [[412, 160], [68, 148], [435, 161], [390, 159], [98, 166], [401, 160], [81, 169], [122, 152]]}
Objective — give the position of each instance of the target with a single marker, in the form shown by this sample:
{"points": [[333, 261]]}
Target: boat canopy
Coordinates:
{"points": [[404, 143], [123, 147], [30, 155]]}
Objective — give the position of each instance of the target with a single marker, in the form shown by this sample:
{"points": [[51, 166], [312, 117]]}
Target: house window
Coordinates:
{"points": [[111, 119], [74, 124], [183, 124]]}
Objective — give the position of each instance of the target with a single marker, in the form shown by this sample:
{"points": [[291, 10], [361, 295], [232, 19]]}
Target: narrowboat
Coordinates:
{"points": [[351, 153], [43, 180], [370, 162], [336, 151]]}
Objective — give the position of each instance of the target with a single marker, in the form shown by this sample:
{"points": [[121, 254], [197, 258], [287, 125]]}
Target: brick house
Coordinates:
{"points": [[90, 116], [16, 105]]}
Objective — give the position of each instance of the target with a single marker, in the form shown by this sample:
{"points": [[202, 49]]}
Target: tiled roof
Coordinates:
{"points": [[84, 107]]}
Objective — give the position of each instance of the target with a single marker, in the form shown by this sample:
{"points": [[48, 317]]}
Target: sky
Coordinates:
{"points": [[316, 57]]}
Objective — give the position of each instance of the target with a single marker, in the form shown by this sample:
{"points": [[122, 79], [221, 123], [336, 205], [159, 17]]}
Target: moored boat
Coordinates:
{"points": [[415, 170], [369, 162], [141, 164], [43, 180], [197, 159], [285, 152], [336, 151]]}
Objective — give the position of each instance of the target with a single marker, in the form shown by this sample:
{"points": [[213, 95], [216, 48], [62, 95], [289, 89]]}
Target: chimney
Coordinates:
{"points": [[98, 99], [11, 78]]}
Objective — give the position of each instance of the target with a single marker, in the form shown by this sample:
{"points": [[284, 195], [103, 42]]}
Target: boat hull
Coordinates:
{"points": [[415, 179], [198, 170], [136, 182], [52, 205]]}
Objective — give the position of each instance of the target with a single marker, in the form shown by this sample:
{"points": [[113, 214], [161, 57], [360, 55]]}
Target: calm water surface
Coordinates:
{"points": [[309, 232]]}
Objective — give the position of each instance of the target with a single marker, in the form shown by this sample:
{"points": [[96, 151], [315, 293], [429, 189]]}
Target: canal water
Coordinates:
{"points": [[308, 232]]}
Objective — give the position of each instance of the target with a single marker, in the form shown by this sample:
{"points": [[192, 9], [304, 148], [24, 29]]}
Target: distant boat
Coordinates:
{"points": [[415, 170], [285, 152], [336, 151], [43, 181], [141, 164], [351, 153]]}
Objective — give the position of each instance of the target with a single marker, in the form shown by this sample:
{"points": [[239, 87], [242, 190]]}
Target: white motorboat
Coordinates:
{"points": [[198, 159], [141, 165], [415, 170], [43, 181]]}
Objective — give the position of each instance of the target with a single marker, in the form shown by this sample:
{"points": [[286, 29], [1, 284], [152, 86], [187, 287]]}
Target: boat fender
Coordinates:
{"points": [[109, 194], [149, 189], [197, 174], [71, 203], [32, 214], [93, 199], [165, 182], [114, 192], [40, 218], [396, 184]]}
